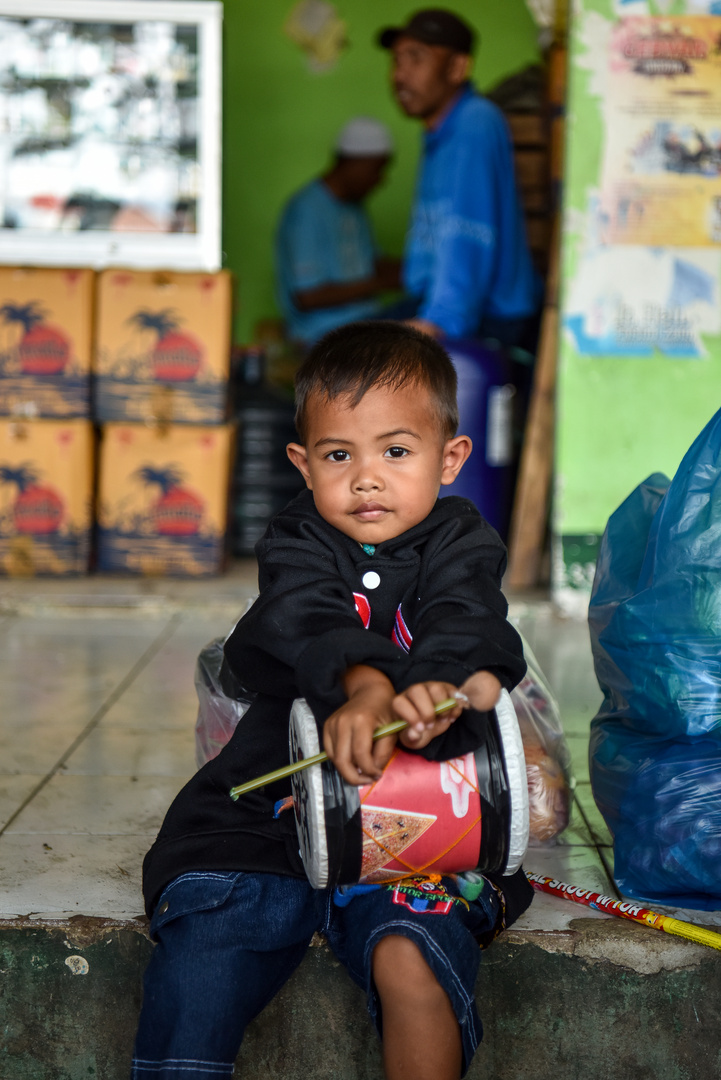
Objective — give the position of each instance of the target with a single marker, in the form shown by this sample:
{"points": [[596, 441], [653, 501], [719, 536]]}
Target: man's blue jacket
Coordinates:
{"points": [[466, 254]]}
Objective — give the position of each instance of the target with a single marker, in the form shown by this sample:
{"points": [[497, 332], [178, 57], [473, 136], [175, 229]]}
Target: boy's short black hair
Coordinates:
{"points": [[359, 356]]}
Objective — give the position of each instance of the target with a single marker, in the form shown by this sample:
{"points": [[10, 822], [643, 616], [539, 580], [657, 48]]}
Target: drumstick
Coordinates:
{"points": [[380, 733], [626, 910]]}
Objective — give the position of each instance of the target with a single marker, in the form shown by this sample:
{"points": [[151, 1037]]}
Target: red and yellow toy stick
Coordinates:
{"points": [[626, 909]]}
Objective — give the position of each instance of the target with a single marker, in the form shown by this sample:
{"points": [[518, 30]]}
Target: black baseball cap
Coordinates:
{"points": [[432, 26]]}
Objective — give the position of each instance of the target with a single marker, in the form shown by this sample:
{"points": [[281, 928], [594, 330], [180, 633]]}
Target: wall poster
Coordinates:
{"points": [[661, 180], [649, 278]]}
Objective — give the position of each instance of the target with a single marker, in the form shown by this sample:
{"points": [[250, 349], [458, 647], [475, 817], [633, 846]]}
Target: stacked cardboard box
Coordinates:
{"points": [[46, 437], [45, 342], [46, 480], [163, 347], [159, 352], [162, 366], [163, 498]]}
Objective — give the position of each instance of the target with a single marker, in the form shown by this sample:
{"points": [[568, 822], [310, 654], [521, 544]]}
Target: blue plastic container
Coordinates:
{"points": [[492, 389]]}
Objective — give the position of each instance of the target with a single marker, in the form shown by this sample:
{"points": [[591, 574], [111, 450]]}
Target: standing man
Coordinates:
{"points": [[466, 263], [327, 266]]}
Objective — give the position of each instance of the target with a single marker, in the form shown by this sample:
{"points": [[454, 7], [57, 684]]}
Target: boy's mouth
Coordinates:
{"points": [[370, 511]]}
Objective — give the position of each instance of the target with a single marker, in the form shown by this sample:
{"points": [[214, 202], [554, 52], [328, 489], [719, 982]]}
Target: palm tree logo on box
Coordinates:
{"points": [[42, 349], [176, 356], [37, 510], [177, 511], [150, 351], [169, 533]]}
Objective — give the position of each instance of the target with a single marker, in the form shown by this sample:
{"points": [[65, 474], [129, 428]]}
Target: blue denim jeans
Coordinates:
{"points": [[228, 941]]}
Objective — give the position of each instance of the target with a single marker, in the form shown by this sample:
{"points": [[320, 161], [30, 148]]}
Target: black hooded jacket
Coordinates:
{"points": [[432, 608]]}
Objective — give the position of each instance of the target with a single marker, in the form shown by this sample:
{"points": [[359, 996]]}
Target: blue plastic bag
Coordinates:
{"points": [[655, 622]]}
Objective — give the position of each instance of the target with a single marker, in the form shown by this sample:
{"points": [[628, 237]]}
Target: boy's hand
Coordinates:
{"points": [[416, 705], [482, 690], [348, 732]]}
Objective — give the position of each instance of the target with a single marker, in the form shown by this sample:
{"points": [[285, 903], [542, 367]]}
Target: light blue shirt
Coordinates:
{"points": [[321, 240], [466, 253]]}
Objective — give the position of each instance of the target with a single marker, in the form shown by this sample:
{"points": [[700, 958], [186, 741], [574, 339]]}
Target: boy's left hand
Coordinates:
{"points": [[416, 705]]}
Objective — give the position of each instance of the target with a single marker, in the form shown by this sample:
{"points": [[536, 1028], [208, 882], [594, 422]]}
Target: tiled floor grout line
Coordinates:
{"points": [[152, 650], [609, 872], [596, 845]]}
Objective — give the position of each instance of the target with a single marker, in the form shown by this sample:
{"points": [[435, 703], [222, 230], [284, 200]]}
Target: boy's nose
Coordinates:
{"points": [[367, 479]]}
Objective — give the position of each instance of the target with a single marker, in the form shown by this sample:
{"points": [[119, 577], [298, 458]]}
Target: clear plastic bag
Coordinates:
{"points": [[548, 760], [222, 701], [655, 620]]}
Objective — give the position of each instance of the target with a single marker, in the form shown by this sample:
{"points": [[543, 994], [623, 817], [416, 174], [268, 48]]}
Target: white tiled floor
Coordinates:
{"points": [[97, 736], [563, 650]]}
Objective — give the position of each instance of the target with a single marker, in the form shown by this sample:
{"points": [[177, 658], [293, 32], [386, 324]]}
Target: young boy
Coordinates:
{"points": [[377, 600]]}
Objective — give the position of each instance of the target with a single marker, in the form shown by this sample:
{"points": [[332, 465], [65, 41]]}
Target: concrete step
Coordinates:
{"points": [[601, 999]]}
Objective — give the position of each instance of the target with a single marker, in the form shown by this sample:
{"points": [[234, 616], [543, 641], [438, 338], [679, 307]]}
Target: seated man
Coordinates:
{"points": [[326, 261], [466, 265]]}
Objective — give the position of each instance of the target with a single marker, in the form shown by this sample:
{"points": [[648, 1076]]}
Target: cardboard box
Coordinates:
{"points": [[46, 488], [163, 498], [45, 342], [162, 347]]}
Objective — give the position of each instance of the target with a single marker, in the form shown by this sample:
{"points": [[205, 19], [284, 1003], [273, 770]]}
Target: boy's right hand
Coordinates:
{"points": [[348, 732]]}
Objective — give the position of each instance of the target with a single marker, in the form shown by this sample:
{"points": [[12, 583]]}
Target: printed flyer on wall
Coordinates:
{"points": [[632, 301], [661, 174]]}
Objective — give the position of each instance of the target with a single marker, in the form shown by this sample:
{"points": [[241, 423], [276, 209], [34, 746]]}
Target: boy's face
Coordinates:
{"points": [[375, 470]]}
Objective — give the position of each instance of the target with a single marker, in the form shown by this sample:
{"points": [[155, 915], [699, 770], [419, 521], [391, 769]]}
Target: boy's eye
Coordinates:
{"points": [[338, 455], [396, 452]]}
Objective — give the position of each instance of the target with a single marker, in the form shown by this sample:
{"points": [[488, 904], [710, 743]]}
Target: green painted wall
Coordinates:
{"points": [[280, 119], [619, 418]]}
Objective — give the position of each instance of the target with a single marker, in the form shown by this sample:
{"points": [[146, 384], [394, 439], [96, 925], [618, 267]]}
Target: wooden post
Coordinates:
{"points": [[533, 489]]}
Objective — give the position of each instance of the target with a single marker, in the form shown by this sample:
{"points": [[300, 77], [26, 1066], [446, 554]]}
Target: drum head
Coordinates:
{"points": [[308, 801], [327, 809], [515, 764]]}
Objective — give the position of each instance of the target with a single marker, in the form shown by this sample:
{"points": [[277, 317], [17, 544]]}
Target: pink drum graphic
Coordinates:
{"points": [[440, 834]]}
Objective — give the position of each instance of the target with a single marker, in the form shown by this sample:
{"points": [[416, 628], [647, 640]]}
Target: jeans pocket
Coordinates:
{"points": [[259, 912], [191, 893]]}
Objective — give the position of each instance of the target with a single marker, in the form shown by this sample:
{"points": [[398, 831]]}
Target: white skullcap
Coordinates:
{"points": [[364, 137]]}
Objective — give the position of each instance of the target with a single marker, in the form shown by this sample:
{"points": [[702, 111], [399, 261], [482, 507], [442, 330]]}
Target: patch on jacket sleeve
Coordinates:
{"points": [[363, 608], [401, 635]]}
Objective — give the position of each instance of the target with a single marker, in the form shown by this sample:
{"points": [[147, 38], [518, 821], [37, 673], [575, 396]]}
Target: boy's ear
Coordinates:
{"points": [[299, 457], [455, 453]]}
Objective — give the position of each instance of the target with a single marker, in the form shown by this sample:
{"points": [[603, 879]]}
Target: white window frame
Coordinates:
{"points": [[100, 248]]}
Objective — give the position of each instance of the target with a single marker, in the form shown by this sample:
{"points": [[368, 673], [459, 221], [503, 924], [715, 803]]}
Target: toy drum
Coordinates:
{"points": [[420, 817]]}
